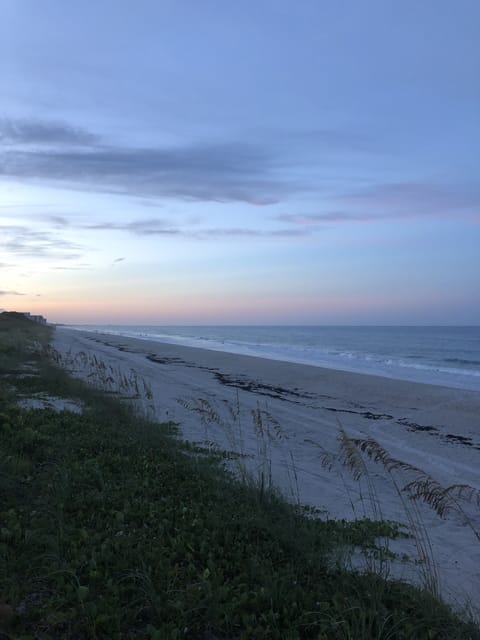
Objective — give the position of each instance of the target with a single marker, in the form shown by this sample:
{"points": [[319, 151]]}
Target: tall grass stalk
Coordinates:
{"points": [[422, 488]]}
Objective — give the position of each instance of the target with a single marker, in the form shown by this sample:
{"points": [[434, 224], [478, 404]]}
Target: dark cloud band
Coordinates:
{"points": [[235, 171]]}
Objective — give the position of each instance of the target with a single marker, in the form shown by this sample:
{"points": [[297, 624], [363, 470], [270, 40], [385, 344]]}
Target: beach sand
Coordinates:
{"points": [[303, 408]]}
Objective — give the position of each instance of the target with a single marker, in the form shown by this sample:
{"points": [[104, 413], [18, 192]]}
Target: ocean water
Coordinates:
{"points": [[448, 356]]}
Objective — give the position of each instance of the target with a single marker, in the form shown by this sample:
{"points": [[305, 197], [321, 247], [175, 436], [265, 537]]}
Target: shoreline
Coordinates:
{"points": [[433, 429], [416, 374]]}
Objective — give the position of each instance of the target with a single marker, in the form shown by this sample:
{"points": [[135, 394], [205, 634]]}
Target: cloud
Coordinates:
{"points": [[162, 227], [319, 218], [11, 293], [248, 233], [153, 226], [59, 221], [222, 172], [35, 132], [23, 241], [411, 199], [396, 201]]}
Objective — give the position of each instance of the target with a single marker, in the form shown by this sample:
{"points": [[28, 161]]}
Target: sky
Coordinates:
{"points": [[255, 162]]}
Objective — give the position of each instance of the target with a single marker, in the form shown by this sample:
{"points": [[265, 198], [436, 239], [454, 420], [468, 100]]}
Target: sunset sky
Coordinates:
{"points": [[254, 162]]}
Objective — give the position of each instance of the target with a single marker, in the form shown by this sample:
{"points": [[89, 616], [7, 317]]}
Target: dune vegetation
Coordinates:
{"points": [[111, 526]]}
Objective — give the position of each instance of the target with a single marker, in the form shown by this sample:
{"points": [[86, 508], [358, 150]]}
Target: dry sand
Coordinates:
{"points": [[435, 429]]}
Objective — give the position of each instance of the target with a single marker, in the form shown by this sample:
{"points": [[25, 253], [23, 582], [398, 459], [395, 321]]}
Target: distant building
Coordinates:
{"points": [[35, 318]]}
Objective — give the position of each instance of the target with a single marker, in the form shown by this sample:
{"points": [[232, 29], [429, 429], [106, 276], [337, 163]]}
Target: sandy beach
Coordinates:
{"points": [[433, 431]]}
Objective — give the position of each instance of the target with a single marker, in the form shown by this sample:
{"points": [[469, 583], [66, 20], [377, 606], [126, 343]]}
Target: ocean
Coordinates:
{"points": [[448, 356]]}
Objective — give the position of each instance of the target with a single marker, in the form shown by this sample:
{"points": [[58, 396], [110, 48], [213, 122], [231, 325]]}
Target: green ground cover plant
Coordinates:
{"points": [[112, 527]]}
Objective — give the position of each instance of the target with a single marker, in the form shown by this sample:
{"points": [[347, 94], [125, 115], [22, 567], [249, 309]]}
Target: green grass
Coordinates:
{"points": [[111, 527], [19, 337]]}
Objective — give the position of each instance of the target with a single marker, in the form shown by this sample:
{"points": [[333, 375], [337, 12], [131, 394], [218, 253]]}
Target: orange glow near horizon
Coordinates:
{"points": [[219, 309]]}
